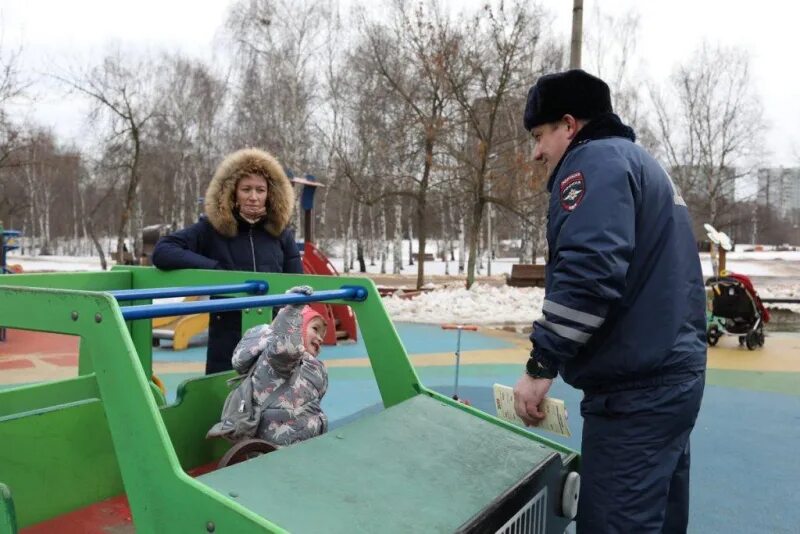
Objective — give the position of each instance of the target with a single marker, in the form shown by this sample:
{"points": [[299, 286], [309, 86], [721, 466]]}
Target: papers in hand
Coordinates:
{"points": [[555, 413]]}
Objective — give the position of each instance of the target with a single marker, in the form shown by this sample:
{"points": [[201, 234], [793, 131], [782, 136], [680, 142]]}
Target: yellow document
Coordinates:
{"points": [[556, 414]]}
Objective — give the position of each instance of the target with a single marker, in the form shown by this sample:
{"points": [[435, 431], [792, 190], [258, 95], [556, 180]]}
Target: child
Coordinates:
{"points": [[289, 381]]}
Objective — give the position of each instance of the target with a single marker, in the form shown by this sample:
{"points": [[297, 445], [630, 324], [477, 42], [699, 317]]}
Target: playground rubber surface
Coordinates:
{"points": [[743, 475]]}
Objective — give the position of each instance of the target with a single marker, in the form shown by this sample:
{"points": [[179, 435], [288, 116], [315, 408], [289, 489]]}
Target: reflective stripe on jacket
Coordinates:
{"points": [[624, 299]]}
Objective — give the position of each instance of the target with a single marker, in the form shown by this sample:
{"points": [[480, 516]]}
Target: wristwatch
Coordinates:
{"points": [[535, 369]]}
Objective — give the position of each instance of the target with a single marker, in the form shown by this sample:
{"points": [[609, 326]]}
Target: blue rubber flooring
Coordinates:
{"points": [[417, 339], [744, 478]]}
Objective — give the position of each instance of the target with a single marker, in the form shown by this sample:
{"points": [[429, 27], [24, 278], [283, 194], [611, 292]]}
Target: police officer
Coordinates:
{"points": [[624, 309]]}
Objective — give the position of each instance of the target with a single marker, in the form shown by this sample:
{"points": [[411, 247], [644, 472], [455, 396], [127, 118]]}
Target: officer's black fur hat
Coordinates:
{"points": [[574, 92]]}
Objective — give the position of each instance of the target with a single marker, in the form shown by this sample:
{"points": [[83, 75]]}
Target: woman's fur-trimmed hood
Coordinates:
{"points": [[219, 202]]}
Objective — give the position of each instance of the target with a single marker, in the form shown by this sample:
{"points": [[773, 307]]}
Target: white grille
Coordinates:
{"points": [[531, 518]]}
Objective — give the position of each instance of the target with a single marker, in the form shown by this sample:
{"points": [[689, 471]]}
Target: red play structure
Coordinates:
{"points": [[341, 322]]}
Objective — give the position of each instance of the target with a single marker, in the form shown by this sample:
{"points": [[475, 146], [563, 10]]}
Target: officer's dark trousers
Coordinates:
{"points": [[635, 459]]}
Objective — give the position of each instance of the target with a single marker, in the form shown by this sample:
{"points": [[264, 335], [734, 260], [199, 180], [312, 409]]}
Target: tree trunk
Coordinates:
{"points": [[541, 241], [347, 233], [445, 235], [137, 224], [410, 243], [192, 210], [362, 266], [531, 245], [47, 193], [489, 241], [130, 194], [422, 211], [384, 244], [32, 179], [397, 253], [180, 209], [523, 242], [450, 240], [323, 206], [97, 246], [474, 235], [76, 200], [462, 249], [371, 238]]}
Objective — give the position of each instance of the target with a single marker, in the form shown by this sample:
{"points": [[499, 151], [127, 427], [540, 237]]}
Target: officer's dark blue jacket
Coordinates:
{"points": [[624, 300], [200, 246]]}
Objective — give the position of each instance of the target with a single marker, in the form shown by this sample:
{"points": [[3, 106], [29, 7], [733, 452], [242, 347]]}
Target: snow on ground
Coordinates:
{"points": [[777, 276], [762, 263], [55, 263], [483, 304]]}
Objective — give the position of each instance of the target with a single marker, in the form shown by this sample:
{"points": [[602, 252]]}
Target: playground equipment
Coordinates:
{"points": [[8, 242], [100, 449], [341, 323], [179, 329], [460, 328]]}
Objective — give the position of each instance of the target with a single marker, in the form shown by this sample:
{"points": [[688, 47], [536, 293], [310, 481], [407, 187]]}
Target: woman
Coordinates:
{"points": [[248, 206]]}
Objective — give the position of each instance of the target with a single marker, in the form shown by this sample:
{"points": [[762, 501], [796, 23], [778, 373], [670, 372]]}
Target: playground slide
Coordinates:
{"points": [[180, 329], [340, 318]]}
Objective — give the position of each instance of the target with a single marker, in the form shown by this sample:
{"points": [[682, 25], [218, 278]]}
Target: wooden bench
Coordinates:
{"points": [[428, 256], [526, 275]]}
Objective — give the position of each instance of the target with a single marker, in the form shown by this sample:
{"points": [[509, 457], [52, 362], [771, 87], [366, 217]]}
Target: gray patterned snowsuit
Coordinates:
{"points": [[279, 354]]}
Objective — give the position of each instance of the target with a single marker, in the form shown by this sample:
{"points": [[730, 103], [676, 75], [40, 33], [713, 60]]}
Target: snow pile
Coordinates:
{"points": [[780, 290], [483, 304], [56, 263], [489, 305]]}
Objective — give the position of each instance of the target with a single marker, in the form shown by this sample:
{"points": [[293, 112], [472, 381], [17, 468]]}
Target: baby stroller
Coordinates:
{"points": [[736, 309]]}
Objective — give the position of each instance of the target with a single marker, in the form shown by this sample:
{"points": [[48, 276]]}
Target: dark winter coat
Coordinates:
{"points": [[223, 240], [624, 299]]}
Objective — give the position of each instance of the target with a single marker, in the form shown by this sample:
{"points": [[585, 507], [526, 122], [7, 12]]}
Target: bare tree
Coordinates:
{"points": [[120, 89], [610, 45], [409, 56], [37, 151], [278, 46], [96, 193], [11, 87], [487, 76], [186, 139], [710, 128]]}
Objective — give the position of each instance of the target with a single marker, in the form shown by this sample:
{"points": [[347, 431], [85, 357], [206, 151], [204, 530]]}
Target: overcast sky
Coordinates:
{"points": [[61, 32]]}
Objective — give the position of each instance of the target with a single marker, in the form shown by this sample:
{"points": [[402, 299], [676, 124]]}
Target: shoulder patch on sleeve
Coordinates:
{"points": [[573, 188]]}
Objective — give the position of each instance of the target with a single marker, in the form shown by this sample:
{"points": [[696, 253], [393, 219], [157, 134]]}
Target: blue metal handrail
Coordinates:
{"points": [[257, 287], [149, 311]]}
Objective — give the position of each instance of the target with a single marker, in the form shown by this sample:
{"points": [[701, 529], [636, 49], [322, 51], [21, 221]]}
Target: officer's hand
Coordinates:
{"points": [[528, 396]]}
